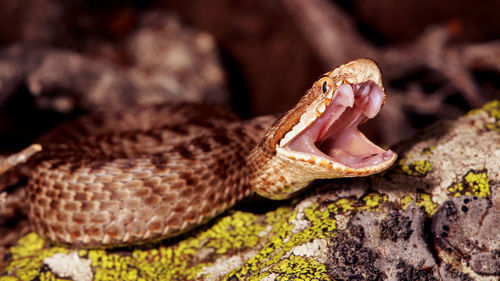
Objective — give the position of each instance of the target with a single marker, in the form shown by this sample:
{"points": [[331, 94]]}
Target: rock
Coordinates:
{"points": [[161, 60], [466, 229], [383, 245], [433, 216]]}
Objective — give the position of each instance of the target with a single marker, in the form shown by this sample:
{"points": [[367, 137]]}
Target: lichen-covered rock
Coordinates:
{"points": [[382, 245], [466, 227], [433, 216]]}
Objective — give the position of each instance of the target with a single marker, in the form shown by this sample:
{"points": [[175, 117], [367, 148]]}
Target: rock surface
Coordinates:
{"points": [[433, 216]]}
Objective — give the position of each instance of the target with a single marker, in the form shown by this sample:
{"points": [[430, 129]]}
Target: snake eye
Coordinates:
{"points": [[324, 85]]}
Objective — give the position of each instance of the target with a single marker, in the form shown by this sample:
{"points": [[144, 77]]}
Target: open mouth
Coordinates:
{"points": [[335, 137]]}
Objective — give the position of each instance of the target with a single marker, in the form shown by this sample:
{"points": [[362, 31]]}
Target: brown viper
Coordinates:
{"points": [[125, 177]]}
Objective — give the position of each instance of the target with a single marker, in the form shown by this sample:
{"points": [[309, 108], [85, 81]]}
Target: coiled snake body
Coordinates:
{"points": [[119, 178]]}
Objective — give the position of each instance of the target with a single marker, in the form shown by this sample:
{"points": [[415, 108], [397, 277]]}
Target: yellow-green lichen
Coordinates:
{"points": [[425, 201], [234, 233], [428, 150], [281, 222], [381, 177], [49, 276], [474, 183], [416, 168], [299, 268], [322, 220], [406, 201], [373, 200], [158, 261], [110, 266], [345, 205], [479, 183], [322, 225], [493, 110], [8, 278], [271, 236], [27, 258], [492, 106], [456, 189]]}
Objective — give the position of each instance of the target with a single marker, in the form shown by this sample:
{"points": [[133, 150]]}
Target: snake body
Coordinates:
{"points": [[126, 177]]}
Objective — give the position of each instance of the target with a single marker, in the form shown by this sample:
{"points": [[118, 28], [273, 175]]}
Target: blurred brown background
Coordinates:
{"points": [[60, 59]]}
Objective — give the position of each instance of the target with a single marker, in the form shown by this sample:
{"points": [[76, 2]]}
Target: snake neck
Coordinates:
{"points": [[266, 172], [270, 175]]}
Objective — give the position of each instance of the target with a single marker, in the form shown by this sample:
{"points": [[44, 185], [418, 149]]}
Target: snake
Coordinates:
{"points": [[143, 174]]}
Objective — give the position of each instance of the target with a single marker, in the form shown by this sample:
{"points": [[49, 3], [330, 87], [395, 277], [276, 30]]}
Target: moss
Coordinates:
{"points": [[474, 182]]}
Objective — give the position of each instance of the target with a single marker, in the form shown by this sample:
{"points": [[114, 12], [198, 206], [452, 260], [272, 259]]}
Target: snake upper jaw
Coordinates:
{"points": [[319, 137], [326, 137]]}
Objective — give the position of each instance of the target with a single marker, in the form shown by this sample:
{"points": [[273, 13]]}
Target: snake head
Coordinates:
{"points": [[319, 136]]}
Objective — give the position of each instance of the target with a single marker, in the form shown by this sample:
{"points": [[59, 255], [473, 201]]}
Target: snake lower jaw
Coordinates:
{"points": [[320, 137], [333, 140]]}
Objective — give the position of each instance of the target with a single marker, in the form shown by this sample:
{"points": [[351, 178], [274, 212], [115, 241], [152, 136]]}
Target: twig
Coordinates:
{"points": [[334, 36], [483, 56], [17, 158], [330, 31]]}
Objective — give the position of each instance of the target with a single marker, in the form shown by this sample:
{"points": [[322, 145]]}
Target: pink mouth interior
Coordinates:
{"points": [[335, 135]]}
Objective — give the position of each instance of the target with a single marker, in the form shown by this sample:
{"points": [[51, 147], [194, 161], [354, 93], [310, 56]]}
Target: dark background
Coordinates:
{"points": [[439, 58]]}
